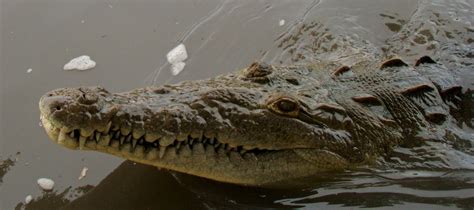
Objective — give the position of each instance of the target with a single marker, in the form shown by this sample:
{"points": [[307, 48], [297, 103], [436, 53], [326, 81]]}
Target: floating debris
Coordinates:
{"points": [[177, 54], [28, 199], [83, 173], [177, 68], [176, 58], [81, 63], [29, 70], [46, 184], [282, 22]]}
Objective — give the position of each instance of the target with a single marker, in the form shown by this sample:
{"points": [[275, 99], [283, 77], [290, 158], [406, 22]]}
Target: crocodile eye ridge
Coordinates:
{"points": [[257, 72]]}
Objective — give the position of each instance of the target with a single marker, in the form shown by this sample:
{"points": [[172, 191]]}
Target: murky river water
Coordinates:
{"points": [[130, 39]]}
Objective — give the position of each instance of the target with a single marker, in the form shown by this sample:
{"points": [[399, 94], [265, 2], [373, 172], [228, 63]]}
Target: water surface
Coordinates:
{"points": [[130, 39]]}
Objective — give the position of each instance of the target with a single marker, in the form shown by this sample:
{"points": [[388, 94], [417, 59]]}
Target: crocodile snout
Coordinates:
{"points": [[60, 99], [51, 103]]}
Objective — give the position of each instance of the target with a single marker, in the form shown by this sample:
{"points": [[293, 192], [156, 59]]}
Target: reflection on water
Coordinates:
{"points": [[222, 36], [5, 165], [136, 186]]}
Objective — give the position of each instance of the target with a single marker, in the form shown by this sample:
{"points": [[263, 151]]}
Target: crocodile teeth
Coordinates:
{"points": [[82, 142], [212, 141], [150, 137], [62, 136], [137, 133], [106, 140], [107, 128], [125, 130], [178, 145], [199, 148], [97, 136], [162, 151], [65, 129], [129, 138], [71, 134], [122, 140], [86, 132], [134, 143], [166, 141], [109, 140]]}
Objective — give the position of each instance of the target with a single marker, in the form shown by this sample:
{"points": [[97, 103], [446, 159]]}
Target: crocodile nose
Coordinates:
{"points": [[51, 103]]}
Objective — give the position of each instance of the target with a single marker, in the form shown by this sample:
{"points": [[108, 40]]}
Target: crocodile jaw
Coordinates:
{"points": [[182, 129], [203, 157]]}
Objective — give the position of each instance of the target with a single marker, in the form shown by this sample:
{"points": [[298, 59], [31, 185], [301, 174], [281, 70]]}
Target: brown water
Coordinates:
{"points": [[130, 39]]}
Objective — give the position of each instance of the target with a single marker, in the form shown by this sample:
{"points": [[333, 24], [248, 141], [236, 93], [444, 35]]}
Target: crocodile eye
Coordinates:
{"points": [[285, 106]]}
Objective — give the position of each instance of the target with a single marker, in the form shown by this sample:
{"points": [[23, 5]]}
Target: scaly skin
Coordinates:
{"points": [[262, 125]]}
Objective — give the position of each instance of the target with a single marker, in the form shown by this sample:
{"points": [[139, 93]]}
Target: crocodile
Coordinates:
{"points": [[265, 123]]}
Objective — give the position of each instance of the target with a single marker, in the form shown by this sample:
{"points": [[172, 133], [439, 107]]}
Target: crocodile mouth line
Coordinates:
{"points": [[112, 140]]}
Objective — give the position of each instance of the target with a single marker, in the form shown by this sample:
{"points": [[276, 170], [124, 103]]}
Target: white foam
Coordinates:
{"points": [[177, 54], [28, 199], [83, 173], [29, 70], [81, 63], [282, 22], [177, 68], [45, 183]]}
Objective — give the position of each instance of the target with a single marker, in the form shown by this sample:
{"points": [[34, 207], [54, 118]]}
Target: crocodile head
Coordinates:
{"points": [[261, 125]]}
